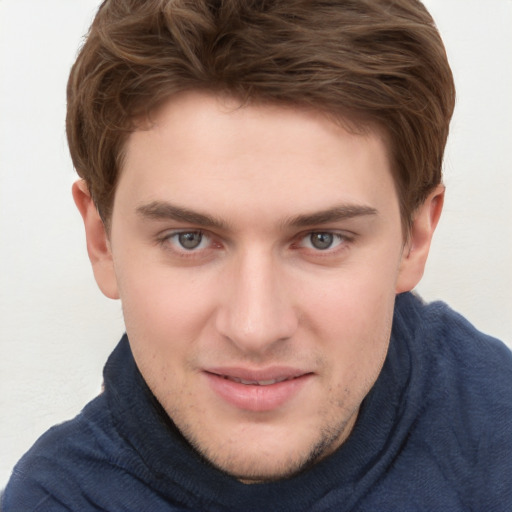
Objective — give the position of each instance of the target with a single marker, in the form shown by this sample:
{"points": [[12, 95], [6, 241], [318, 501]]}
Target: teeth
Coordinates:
{"points": [[249, 382], [267, 382], [258, 382]]}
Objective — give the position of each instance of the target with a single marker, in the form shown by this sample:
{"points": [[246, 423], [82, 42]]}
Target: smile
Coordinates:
{"points": [[267, 382], [257, 391]]}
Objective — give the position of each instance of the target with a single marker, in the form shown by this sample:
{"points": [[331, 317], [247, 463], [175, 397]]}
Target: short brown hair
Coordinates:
{"points": [[382, 60]]}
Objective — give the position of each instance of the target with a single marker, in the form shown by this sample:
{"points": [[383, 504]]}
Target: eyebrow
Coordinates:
{"points": [[162, 210], [334, 214], [159, 210]]}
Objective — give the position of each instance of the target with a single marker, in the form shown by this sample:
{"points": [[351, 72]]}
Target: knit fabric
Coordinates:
{"points": [[434, 433]]}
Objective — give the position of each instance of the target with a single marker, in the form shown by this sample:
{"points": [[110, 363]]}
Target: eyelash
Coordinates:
{"points": [[337, 238], [167, 240]]}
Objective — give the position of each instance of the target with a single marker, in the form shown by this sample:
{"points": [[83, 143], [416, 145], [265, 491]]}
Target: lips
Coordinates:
{"points": [[267, 382], [257, 391]]}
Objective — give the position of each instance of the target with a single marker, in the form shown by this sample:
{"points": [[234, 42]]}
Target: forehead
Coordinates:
{"points": [[201, 149]]}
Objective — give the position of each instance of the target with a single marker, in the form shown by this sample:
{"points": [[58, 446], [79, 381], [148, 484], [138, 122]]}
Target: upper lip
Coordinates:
{"points": [[273, 373]]}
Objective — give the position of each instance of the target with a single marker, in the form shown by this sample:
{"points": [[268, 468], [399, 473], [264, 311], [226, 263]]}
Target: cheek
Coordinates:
{"points": [[351, 317], [163, 306], [352, 301], [165, 319]]}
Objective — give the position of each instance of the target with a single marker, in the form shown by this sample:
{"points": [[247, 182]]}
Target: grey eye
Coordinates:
{"points": [[321, 241], [190, 239]]}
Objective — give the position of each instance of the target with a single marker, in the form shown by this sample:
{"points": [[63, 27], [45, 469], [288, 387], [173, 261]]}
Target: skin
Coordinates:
{"points": [[264, 186]]}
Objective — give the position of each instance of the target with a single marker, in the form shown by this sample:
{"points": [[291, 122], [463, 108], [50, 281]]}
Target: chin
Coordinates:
{"points": [[264, 468], [276, 458]]}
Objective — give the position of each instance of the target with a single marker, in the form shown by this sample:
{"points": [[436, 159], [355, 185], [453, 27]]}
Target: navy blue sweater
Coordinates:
{"points": [[433, 434]]}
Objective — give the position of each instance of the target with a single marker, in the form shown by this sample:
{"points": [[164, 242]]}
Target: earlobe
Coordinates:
{"points": [[98, 246], [415, 253]]}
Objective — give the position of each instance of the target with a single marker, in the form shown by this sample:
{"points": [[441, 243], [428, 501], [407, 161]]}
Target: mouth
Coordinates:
{"points": [[257, 391], [267, 382]]}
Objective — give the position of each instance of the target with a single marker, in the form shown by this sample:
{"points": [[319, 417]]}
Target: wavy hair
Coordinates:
{"points": [[379, 61]]}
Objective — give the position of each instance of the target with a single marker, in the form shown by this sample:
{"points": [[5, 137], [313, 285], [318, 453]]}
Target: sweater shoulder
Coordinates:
{"points": [[463, 395], [449, 339], [51, 475], [85, 464], [463, 371]]}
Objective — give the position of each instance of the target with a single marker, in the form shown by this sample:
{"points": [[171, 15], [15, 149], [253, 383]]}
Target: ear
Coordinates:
{"points": [[98, 245], [415, 252]]}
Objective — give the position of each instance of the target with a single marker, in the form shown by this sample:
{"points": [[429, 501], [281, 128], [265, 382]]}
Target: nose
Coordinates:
{"points": [[256, 311]]}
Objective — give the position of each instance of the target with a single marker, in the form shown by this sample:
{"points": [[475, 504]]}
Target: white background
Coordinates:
{"points": [[56, 329]]}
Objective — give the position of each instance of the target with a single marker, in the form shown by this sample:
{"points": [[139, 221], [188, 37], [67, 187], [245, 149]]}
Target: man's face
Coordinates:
{"points": [[256, 252]]}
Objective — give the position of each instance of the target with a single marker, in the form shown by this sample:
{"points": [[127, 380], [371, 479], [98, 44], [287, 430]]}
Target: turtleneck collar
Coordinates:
{"points": [[175, 470]]}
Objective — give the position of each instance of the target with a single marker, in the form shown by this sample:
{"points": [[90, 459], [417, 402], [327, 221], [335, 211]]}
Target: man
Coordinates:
{"points": [[260, 185]]}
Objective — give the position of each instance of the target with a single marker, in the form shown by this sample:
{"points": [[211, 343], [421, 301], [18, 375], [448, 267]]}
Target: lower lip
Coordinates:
{"points": [[253, 397]]}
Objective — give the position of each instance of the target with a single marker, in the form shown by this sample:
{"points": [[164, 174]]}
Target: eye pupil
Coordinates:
{"points": [[321, 240], [190, 239]]}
